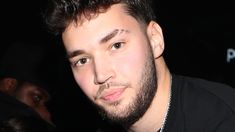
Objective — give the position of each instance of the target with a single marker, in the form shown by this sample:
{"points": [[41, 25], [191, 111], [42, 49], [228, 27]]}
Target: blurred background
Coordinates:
{"points": [[198, 37]]}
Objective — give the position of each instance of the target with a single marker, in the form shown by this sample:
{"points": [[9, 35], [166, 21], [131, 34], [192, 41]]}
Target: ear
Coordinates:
{"points": [[155, 36], [9, 85]]}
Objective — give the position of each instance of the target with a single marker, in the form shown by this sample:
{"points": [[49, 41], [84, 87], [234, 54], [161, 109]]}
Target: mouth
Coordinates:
{"points": [[112, 95]]}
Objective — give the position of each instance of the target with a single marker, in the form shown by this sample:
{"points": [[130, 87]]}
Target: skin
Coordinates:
{"points": [[108, 59], [35, 97], [29, 94]]}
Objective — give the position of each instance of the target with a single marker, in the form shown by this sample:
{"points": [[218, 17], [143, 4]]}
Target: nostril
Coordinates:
{"points": [[101, 80]]}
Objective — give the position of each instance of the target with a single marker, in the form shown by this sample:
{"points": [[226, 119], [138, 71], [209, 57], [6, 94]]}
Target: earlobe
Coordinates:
{"points": [[155, 36], [9, 85]]}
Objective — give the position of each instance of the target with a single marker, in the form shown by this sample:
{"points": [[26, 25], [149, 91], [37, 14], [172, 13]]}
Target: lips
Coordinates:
{"points": [[111, 95]]}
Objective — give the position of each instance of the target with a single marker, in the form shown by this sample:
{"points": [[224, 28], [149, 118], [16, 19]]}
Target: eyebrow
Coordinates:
{"points": [[74, 53], [109, 36], [44, 93], [105, 39], [112, 34]]}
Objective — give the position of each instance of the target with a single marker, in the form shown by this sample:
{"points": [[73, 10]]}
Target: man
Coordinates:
{"points": [[115, 48], [22, 91]]}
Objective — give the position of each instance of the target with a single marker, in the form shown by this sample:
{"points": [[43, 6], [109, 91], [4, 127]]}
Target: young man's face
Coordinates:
{"points": [[113, 63]]}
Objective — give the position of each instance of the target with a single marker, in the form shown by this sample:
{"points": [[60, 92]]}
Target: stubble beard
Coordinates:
{"points": [[136, 109]]}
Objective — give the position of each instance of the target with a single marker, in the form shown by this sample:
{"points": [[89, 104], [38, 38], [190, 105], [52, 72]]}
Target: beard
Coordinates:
{"points": [[136, 109]]}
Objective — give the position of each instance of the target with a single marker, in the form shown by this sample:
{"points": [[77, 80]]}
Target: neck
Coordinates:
{"points": [[154, 117]]}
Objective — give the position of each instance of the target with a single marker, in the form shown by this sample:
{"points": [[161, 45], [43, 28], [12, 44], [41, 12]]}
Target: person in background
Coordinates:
{"points": [[22, 88], [115, 48]]}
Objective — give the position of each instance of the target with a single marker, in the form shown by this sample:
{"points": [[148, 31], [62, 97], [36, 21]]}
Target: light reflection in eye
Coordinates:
{"points": [[82, 61], [117, 45], [37, 98]]}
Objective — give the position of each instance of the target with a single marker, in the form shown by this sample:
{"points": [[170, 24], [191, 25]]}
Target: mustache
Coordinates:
{"points": [[107, 86]]}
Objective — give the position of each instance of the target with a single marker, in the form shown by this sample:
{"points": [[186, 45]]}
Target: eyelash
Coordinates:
{"points": [[115, 44], [78, 62], [37, 98]]}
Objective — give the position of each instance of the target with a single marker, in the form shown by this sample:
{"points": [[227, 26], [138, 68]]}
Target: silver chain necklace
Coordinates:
{"points": [[168, 107]]}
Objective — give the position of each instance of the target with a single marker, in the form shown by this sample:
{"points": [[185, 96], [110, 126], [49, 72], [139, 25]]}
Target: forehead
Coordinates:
{"points": [[90, 31], [29, 87]]}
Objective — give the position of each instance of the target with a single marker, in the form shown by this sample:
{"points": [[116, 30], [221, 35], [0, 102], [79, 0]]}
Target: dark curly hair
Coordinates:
{"points": [[60, 13]]}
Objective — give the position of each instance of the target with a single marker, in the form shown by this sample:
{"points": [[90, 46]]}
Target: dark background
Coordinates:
{"points": [[197, 34]]}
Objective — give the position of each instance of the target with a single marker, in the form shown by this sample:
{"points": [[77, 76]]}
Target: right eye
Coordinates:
{"points": [[82, 61], [117, 46]]}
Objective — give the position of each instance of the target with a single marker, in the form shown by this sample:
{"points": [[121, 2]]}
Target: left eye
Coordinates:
{"points": [[117, 45], [37, 98]]}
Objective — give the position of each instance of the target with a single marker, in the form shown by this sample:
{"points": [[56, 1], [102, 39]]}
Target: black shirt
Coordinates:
{"points": [[200, 106]]}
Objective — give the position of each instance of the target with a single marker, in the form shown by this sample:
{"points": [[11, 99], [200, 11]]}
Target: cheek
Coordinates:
{"points": [[25, 98], [131, 63], [84, 81]]}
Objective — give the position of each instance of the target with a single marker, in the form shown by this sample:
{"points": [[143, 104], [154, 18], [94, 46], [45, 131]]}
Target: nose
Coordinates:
{"points": [[44, 113], [104, 70]]}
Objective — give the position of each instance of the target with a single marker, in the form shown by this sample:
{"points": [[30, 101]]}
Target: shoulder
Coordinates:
{"points": [[203, 104], [206, 91]]}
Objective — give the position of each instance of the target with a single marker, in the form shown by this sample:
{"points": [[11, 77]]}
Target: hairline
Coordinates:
{"points": [[87, 16]]}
